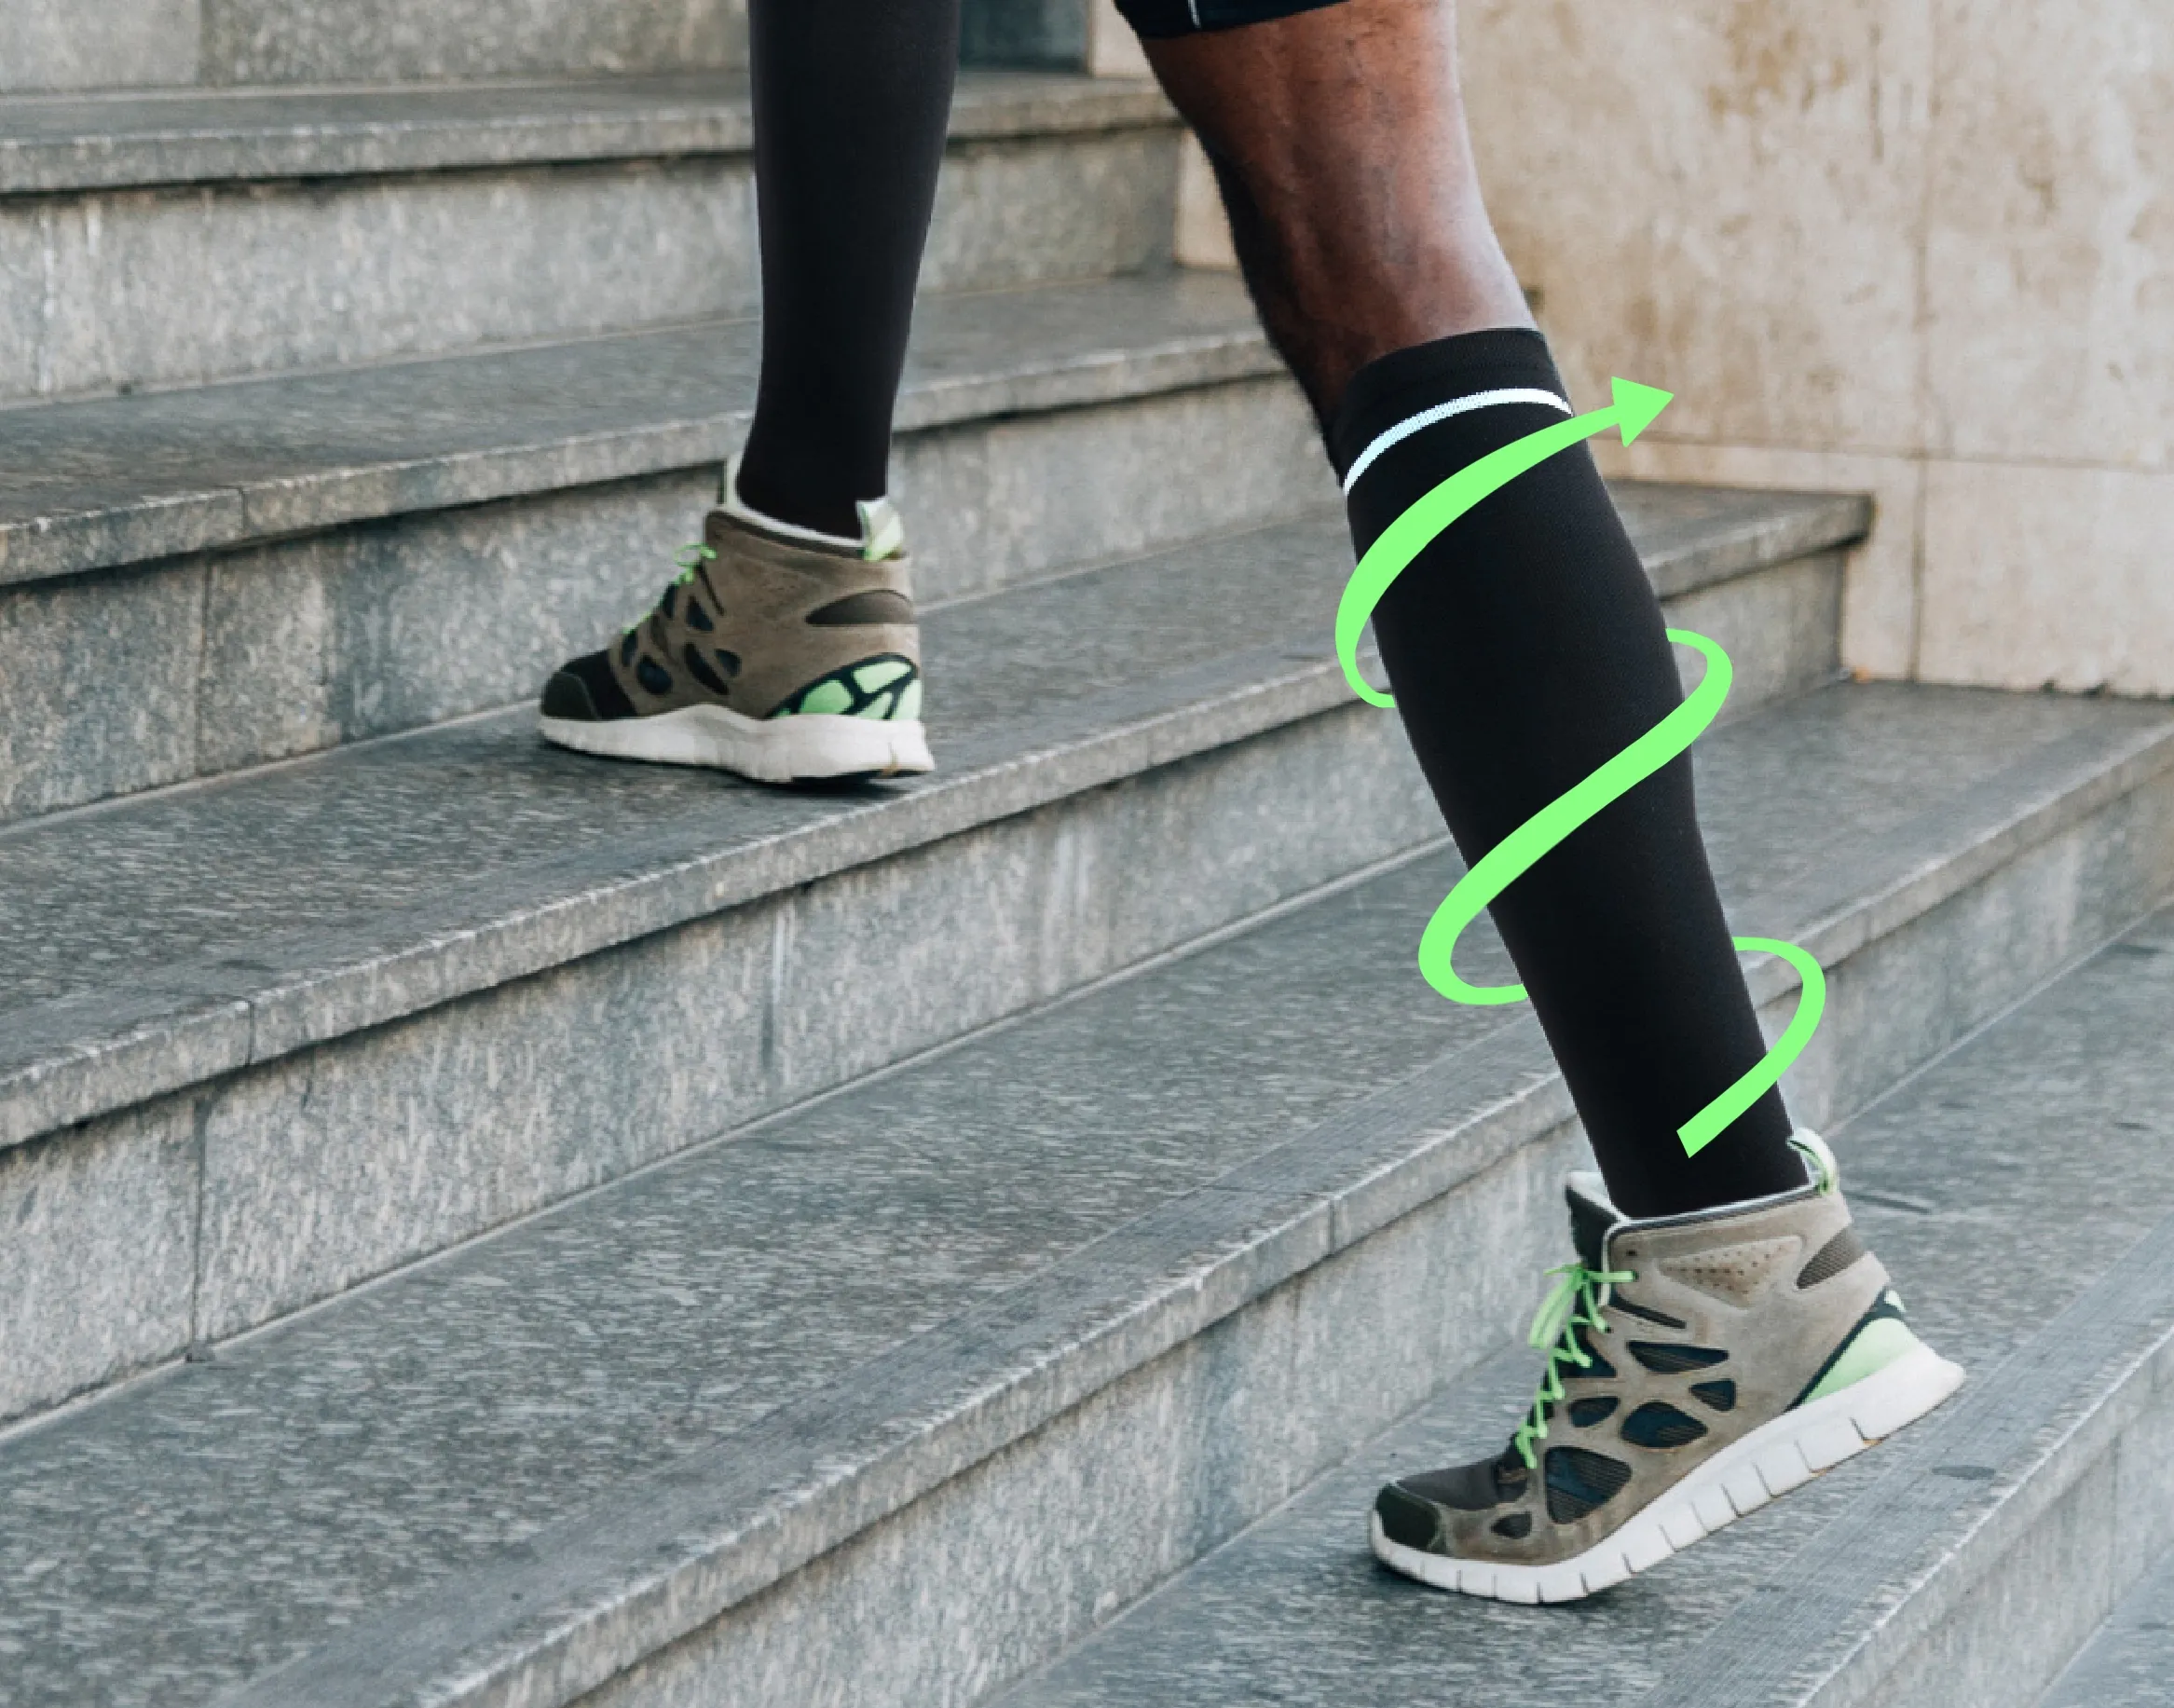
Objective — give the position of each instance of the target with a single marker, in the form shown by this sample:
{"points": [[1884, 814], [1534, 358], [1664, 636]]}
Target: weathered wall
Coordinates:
{"points": [[1919, 247]]}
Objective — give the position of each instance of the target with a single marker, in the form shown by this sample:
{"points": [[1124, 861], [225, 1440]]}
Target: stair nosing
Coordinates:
{"points": [[59, 543], [1221, 343], [191, 1020], [213, 1031], [283, 134], [2118, 1332], [673, 1549]]}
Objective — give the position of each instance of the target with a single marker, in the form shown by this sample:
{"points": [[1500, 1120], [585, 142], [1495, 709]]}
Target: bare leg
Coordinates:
{"points": [[1338, 138]]}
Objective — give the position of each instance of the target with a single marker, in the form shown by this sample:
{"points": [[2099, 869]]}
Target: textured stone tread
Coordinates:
{"points": [[2041, 1263], [109, 480], [206, 1522], [64, 143], [406, 873]]}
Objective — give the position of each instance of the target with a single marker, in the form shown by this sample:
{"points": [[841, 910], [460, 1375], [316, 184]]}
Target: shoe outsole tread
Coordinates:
{"points": [[1768, 1463], [809, 747]]}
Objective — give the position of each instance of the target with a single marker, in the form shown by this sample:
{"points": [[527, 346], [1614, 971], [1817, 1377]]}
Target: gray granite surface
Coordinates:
{"points": [[51, 45], [269, 651], [273, 651], [2129, 1662], [462, 1405], [396, 41], [64, 45], [122, 480], [111, 291], [414, 834], [127, 290], [2020, 1171], [404, 839], [642, 1304], [320, 1169], [198, 136], [1147, 1471], [335, 1164]]}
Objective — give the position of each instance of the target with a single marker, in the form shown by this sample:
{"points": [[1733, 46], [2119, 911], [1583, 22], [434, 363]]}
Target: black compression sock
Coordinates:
{"points": [[1525, 648], [851, 103]]}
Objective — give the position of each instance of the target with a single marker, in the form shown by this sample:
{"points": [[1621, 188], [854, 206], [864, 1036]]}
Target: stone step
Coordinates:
{"points": [[2019, 1190], [297, 563], [888, 1399], [266, 1038], [307, 560], [2129, 1662], [364, 225], [64, 45]]}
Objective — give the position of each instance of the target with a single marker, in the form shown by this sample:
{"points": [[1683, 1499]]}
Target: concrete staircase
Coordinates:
{"points": [[480, 1226]]}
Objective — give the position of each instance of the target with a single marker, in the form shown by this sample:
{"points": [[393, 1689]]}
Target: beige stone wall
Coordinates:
{"points": [[1919, 247]]}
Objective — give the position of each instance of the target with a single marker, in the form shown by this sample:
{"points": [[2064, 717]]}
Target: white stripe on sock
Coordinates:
{"points": [[1441, 412]]}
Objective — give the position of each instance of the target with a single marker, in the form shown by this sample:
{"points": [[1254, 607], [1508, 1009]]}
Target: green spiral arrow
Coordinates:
{"points": [[1404, 538], [1633, 408]]}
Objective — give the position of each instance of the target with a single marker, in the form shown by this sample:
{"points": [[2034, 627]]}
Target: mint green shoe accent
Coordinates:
{"points": [[1826, 1173], [690, 558], [882, 530], [885, 688], [1876, 1346], [831, 695], [1575, 1303], [881, 673]]}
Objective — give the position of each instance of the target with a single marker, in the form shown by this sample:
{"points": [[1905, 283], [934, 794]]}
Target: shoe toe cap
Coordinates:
{"points": [[1408, 1520], [584, 691]]}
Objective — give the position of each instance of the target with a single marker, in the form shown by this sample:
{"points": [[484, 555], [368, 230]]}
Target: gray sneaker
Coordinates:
{"points": [[776, 653], [1698, 1366]]}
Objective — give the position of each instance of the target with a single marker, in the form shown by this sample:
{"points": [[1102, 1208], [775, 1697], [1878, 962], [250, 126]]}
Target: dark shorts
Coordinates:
{"points": [[1153, 18]]}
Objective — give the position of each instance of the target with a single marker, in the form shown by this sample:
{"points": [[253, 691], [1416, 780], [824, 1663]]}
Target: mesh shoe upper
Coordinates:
{"points": [[1718, 1323], [766, 626]]}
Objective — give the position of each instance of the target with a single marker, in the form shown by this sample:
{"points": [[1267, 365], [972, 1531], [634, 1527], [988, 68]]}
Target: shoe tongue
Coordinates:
{"points": [[1591, 1217]]}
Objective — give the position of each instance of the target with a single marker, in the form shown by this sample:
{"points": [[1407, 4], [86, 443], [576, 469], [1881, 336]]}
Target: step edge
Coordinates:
{"points": [[681, 119], [1270, 1229], [80, 1079], [2025, 804], [84, 540], [1820, 522], [2083, 1370], [1272, 1234], [2085, 1441], [215, 1027]]}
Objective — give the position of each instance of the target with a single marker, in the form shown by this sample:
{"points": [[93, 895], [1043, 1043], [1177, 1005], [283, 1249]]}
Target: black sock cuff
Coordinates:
{"points": [[1396, 387]]}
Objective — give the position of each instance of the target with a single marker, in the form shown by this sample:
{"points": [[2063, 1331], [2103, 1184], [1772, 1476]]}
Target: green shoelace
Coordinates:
{"points": [[692, 557], [1575, 1304]]}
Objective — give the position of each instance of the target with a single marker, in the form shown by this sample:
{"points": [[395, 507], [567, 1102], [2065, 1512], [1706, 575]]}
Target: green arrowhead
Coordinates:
{"points": [[1637, 405], [1632, 410]]}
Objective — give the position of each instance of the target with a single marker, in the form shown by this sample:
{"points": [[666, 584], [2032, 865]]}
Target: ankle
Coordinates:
{"points": [[834, 518]]}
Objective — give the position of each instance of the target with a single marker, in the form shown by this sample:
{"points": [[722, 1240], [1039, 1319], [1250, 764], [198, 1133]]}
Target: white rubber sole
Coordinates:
{"points": [[1742, 1478], [800, 749]]}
